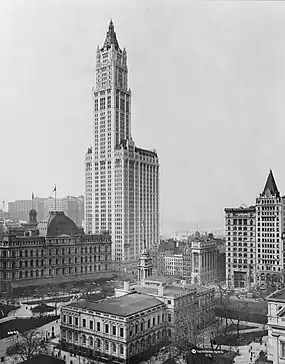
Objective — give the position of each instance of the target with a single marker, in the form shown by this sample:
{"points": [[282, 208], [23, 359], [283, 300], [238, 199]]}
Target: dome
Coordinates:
{"points": [[57, 224]]}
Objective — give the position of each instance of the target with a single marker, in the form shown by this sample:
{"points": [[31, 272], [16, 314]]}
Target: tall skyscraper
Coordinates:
{"points": [[270, 258], [254, 252], [240, 246], [125, 178]]}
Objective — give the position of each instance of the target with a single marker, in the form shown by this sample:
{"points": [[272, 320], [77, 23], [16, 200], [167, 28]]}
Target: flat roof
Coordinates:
{"points": [[126, 305]]}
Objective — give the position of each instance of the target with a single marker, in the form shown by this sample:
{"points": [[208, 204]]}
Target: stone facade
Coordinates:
{"points": [[54, 249]]}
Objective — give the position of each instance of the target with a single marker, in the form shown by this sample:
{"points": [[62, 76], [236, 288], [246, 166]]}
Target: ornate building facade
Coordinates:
{"points": [[254, 249], [125, 178], [54, 249], [240, 247]]}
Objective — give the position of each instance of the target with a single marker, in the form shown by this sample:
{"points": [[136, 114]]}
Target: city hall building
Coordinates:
{"points": [[51, 251]]}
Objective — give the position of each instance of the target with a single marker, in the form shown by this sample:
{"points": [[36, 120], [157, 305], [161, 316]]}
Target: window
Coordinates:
{"points": [[84, 323], [282, 349], [114, 347], [121, 332], [64, 318], [76, 321], [91, 325], [141, 326], [169, 302], [169, 317], [121, 350], [106, 346], [98, 326], [148, 323], [106, 328], [70, 320], [114, 330], [153, 321]]}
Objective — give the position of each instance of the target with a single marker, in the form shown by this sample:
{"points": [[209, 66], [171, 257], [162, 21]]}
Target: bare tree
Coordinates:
{"points": [[224, 302], [28, 345]]}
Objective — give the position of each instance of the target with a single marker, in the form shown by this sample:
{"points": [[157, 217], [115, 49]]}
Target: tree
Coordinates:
{"points": [[28, 345], [223, 302]]}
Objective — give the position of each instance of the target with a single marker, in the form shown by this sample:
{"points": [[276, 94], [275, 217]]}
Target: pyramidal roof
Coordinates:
{"points": [[111, 37], [271, 186]]}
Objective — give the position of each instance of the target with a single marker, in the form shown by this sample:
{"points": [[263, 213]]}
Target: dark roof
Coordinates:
{"points": [[43, 359], [126, 305], [56, 224], [271, 186], [111, 38]]}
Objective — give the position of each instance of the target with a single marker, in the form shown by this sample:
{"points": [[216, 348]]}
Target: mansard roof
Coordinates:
{"points": [[111, 38], [57, 224], [271, 186]]}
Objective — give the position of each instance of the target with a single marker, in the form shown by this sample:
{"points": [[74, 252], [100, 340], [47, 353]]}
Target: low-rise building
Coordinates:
{"points": [[53, 250], [276, 327], [121, 329]]}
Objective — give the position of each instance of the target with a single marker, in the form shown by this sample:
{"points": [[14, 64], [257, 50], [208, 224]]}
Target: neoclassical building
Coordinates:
{"points": [[138, 320], [53, 250]]}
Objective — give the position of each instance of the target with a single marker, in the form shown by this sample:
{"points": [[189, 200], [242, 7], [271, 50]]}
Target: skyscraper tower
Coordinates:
{"points": [[125, 178], [270, 259]]}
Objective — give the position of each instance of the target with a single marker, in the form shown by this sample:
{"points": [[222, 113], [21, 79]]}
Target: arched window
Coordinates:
{"points": [[142, 344], [31, 273], [142, 325], [131, 329], [131, 348], [98, 343], [20, 274], [114, 347], [148, 342], [26, 273], [158, 336], [76, 336], [137, 346], [106, 345], [121, 350], [90, 340], [137, 327], [83, 339], [154, 338]]}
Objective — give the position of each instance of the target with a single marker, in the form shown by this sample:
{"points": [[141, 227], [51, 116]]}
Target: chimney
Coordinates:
{"points": [[126, 286], [160, 290]]}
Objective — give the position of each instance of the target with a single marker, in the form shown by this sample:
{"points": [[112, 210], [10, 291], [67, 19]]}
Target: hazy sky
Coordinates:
{"points": [[208, 86]]}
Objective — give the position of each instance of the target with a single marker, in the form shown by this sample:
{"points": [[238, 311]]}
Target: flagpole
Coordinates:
{"points": [[55, 197]]}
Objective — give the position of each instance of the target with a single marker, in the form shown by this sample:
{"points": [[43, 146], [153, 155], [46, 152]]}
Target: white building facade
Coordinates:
{"points": [[276, 327], [125, 178]]}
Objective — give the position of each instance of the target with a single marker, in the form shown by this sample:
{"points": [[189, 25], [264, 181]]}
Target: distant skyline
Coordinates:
{"points": [[208, 86]]}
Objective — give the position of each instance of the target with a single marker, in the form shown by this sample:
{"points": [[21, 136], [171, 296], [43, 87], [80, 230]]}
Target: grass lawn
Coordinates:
{"points": [[24, 324], [6, 309], [243, 339], [241, 327], [242, 315]]}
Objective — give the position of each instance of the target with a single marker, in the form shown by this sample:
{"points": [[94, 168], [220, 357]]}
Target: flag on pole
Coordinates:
{"points": [[33, 196], [54, 189]]}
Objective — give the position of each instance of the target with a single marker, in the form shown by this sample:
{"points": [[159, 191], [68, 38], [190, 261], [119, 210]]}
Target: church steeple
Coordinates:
{"points": [[111, 38], [270, 186]]}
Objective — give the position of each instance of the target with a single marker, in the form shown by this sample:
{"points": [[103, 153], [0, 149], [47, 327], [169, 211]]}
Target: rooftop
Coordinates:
{"points": [[122, 306], [278, 296]]}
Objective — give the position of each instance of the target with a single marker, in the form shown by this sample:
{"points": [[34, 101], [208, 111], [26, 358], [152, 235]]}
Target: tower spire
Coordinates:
{"points": [[271, 186], [111, 37]]}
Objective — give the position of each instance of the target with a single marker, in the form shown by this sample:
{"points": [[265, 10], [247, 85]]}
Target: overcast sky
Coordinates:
{"points": [[208, 86]]}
